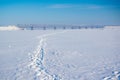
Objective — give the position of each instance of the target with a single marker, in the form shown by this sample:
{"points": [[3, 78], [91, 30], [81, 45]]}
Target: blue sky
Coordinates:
{"points": [[88, 12]]}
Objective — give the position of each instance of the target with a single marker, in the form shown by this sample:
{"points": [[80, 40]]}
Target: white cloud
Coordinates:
{"points": [[75, 6], [61, 6], [94, 7]]}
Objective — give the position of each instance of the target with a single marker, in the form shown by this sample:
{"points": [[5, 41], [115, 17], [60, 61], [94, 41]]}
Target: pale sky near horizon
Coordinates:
{"points": [[88, 12]]}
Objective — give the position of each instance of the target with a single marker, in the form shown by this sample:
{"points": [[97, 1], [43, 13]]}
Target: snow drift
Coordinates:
{"points": [[3, 28]]}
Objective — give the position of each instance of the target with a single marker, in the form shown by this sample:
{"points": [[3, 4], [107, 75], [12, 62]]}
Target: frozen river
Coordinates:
{"points": [[85, 54]]}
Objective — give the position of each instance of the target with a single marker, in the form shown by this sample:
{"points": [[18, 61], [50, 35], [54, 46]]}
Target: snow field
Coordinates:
{"points": [[60, 55]]}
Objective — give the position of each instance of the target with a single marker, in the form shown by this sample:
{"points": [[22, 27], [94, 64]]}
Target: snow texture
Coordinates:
{"points": [[87, 54]]}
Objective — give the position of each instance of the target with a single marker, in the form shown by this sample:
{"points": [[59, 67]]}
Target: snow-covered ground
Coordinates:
{"points": [[85, 54], [9, 28]]}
